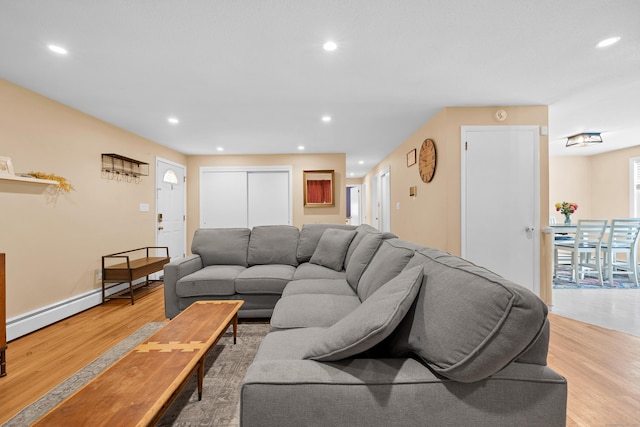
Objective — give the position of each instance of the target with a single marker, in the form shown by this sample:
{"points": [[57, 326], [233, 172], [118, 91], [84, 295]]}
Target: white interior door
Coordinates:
{"points": [[375, 205], [223, 199], [268, 198], [385, 200], [170, 207], [354, 201], [500, 201]]}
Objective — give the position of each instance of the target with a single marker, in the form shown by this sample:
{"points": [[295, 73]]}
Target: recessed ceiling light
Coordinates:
{"points": [[351, 174], [330, 46], [300, 147], [361, 162], [57, 49], [608, 42], [173, 120], [220, 148], [326, 119]]}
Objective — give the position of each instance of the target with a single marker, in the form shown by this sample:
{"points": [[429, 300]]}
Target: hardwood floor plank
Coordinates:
{"points": [[602, 366]]}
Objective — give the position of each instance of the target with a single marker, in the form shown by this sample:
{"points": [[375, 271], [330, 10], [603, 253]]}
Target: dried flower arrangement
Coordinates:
{"points": [[63, 183]]}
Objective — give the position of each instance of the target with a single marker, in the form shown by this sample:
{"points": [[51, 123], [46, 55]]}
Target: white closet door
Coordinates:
{"points": [[223, 199], [268, 198]]}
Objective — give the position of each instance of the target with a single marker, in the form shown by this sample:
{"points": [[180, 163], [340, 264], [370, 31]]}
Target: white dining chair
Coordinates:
{"points": [[623, 239], [587, 242]]}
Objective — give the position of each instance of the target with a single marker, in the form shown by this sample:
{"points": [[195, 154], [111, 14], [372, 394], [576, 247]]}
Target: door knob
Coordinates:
{"points": [[161, 228], [529, 229]]}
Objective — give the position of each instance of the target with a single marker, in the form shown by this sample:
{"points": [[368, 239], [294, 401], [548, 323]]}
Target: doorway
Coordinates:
{"points": [[354, 205], [500, 201], [171, 207]]}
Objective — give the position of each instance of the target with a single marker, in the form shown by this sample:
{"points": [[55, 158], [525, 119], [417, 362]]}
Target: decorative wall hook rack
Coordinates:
{"points": [[121, 168]]}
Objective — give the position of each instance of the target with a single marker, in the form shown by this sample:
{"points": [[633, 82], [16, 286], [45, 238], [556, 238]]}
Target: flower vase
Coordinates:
{"points": [[567, 220]]}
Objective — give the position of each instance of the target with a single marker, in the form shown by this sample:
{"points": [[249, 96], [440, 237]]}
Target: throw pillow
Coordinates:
{"points": [[332, 248], [371, 322]]}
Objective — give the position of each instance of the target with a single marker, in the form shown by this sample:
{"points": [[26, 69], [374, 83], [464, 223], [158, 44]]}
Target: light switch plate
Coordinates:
{"points": [[144, 207]]}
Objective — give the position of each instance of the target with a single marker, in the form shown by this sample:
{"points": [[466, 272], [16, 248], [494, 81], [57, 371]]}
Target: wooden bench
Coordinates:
{"points": [[137, 389], [133, 268]]}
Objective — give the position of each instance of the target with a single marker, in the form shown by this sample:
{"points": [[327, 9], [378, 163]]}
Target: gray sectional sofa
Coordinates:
{"points": [[370, 330]]}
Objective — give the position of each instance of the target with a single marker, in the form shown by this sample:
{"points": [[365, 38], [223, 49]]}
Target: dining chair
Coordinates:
{"points": [[587, 242], [623, 239]]}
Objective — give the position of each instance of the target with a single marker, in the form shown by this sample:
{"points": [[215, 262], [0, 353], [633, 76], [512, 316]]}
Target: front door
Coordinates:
{"points": [[500, 201], [170, 207]]}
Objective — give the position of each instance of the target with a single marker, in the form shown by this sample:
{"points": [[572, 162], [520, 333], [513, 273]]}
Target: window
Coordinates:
{"points": [[170, 177], [634, 186]]}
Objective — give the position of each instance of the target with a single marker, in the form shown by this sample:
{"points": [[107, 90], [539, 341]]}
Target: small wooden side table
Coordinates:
{"points": [[3, 317]]}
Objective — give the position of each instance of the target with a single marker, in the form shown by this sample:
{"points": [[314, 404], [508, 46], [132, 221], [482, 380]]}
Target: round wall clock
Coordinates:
{"points": [[427, 162]]}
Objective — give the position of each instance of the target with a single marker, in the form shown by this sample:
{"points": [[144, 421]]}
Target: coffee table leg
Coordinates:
{"points": [[235, 328], [200, 377]]}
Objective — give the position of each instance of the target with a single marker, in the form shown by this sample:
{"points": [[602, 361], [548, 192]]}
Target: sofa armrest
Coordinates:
{"points": [[173, 272]]}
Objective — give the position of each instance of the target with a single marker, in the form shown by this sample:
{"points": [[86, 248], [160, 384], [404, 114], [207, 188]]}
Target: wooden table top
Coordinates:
{"points": [[142, 384]]}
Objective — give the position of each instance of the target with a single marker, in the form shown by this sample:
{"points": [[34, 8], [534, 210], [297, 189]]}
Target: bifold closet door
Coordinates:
{"points": [[223, 199]]}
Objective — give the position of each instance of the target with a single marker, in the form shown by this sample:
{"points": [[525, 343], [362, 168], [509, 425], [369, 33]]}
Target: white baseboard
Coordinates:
{"points": [[45, 316]]}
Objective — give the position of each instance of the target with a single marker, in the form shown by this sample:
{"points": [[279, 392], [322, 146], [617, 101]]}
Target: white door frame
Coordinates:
{"points": [[288, 169], [536, 202], [184, 201]]}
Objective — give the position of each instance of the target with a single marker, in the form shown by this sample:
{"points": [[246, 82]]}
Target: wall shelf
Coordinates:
{"points": [[22, 184]]}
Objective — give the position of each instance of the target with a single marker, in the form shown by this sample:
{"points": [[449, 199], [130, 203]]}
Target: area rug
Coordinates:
{"points": [[563, 280], [225, 366]]}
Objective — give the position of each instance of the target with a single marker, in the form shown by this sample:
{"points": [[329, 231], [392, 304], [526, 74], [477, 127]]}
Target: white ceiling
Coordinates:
{"points": [[251, 75]]}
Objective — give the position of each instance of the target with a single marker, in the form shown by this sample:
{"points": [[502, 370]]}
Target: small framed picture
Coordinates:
{"points": [[6, 167], [411, 158]]}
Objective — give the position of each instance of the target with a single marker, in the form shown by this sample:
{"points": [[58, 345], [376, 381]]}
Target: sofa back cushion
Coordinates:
{"points": [[363, 230], [361, 257], [221, 246], [467, 322], [273, 244], [332, 248], [310, 236], [371, 322], [388, 261]]}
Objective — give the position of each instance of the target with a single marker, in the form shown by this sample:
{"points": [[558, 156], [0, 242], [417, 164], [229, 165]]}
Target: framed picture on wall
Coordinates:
{"points": [[411, 158], [6, 167], [318, 188]]}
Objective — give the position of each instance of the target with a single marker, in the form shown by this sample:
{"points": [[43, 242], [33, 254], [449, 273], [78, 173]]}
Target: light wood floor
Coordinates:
{"points": [[601, 366]]}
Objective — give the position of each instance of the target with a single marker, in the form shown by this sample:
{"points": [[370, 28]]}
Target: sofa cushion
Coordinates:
{"points": [[387, 263], [273, 244], [221, 246], [315, 271], [318, 286], [332, 248], [361, 257], [264, 279], [371, 322], [212, 280], [467, 322], [312, 310], [310, 236], [363, 230]]}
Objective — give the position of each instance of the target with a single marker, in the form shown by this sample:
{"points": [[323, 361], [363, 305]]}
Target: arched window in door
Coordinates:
{"points": [[170, 177]]}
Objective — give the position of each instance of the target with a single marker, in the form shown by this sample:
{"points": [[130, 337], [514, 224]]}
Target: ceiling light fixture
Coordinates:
{"points": [[326, 119], [330, 46], [173, 120], [300, 147], [583, 139], [220, 149], [57, 49], [361, 162], [608, 42]]}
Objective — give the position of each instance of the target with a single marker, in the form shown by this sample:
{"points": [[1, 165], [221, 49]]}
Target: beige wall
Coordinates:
{"points": [[54, 249], [599, 184], [433, 217], [298, 162]]}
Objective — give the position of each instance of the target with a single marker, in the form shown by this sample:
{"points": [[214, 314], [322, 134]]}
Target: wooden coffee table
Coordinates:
{"points": [[138, 388]]}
